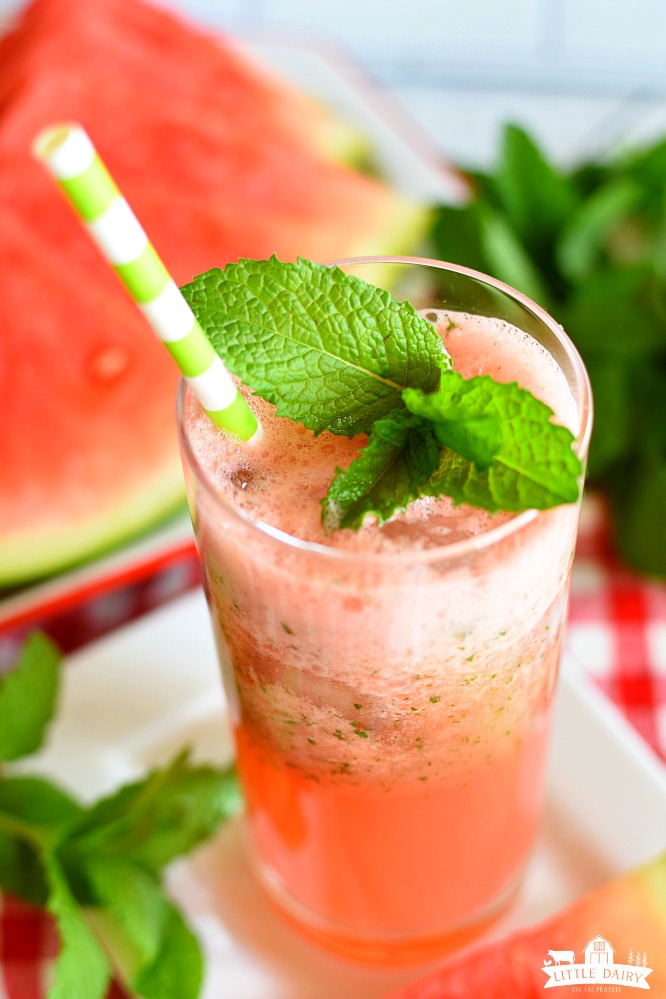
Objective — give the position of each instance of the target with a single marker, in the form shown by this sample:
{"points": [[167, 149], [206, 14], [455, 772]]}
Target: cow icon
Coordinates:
{"points": [[562, 956]]}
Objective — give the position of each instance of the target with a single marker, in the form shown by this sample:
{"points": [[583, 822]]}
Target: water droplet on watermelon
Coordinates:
{"points": [[108, 363]]}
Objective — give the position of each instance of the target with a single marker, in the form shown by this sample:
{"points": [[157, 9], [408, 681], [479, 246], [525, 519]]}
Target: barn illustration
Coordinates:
{"points": [[599, 951]]}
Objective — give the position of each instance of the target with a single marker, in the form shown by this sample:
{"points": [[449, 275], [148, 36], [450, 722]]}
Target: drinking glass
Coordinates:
{"points": [[391, 710]]}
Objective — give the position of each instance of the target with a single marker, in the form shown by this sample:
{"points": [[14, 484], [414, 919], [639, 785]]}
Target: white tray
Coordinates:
{"points": [[135, 697]]}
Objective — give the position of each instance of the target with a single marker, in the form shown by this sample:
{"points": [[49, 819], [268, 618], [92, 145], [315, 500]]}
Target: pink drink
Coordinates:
{"points": [[391, 688]]}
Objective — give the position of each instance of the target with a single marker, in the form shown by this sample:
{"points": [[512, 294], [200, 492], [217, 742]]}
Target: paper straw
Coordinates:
{"points": [[70, 156]]}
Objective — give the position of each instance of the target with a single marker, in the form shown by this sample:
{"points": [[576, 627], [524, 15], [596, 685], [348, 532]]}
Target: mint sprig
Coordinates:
{"points": [[329, 350], [335, 353], [502, 451], [98, 869], [393, 468]]}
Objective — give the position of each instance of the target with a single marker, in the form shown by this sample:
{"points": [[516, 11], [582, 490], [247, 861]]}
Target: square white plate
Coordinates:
{"points": [[133, 698]]}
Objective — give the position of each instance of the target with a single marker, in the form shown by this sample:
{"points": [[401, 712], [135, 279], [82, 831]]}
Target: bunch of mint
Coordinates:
{"points": [[336, 353], [589, 244], [98, 869]]}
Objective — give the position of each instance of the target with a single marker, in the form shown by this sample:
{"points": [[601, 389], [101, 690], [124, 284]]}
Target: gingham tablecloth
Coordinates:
{"points": [[617, 635]]}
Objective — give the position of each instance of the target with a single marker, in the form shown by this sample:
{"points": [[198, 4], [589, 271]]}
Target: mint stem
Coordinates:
{"points": [[103, 926]]}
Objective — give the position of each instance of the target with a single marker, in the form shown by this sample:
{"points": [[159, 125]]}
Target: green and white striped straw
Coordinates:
{"points": [[71, 158]]}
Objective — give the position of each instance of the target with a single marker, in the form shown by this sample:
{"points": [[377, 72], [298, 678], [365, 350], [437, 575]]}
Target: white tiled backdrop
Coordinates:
{"points": [[581, 74], [602, 46]]}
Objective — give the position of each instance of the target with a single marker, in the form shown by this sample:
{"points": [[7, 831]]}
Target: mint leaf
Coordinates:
{"points": [[33, 813], [464, 414], [134, 907], [537, 198], [533, 464], [399, 458], [81, 970], [457, 235], [506, 256], [177, 970], [639, 499], [27, 697], [159, 955], [38, 803], [21, 870], [158, 819], [613, 430], [328, 349], [581, 242], [616, 313]]}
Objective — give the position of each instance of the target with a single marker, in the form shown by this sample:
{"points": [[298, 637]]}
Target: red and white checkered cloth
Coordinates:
{"points": [[617, 635], [617, 629]]}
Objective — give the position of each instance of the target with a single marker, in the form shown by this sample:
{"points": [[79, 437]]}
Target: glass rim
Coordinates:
{"points": [[444, 552]]}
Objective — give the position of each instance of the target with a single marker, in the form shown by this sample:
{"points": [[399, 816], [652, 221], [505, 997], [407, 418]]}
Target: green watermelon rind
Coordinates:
{"points": [[346, 145], [403, 230], [34, 554]]}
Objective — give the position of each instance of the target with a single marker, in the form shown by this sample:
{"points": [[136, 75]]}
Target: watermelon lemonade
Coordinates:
{"points": [[390, 688]]}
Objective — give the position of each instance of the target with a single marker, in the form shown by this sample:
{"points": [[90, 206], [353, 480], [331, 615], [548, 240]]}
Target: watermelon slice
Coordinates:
{"points": [[219, 161], [86, 461], [609, 934]]}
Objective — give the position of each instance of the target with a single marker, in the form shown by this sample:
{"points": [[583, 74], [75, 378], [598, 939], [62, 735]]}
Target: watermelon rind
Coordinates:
{"points": [[404, 230], [345, 144], [43, 551]]}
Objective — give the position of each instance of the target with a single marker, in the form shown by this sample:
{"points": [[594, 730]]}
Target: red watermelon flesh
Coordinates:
{"points": [[254, 198], [89, 444], [195, 221], [629, 913], [64, 474]]}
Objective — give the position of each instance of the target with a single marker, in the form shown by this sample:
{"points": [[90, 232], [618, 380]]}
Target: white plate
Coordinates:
{"points": [[135, 697], [408, 160]]}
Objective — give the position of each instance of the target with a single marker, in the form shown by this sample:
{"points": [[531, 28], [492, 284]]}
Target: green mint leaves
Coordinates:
{"points": [[502, 450], [27, 698], [594, 235], [335, 353], [482, 442], [329, 350], [393, 468], [98, 870]]}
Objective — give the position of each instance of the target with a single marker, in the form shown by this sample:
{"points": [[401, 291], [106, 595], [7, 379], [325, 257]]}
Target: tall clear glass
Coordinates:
{"points": [[391, 710]]}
